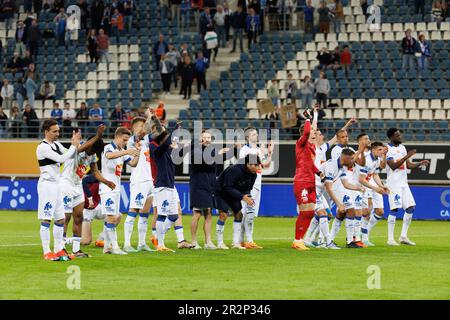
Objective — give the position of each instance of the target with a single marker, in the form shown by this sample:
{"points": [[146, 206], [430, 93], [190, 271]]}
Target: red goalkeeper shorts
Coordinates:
{"points": [[304, 194]]}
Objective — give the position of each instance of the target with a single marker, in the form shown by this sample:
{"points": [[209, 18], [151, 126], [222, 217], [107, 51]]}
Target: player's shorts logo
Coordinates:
{"points": [[139, 198], [397, 199], [358, 199], [66, 200], [109, 205], [165, 206], [346, 199], [305, 195], [48, 206]]}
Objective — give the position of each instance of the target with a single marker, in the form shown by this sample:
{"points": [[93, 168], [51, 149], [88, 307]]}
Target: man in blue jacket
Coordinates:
{"points": [[252, 25], [201, 64], [233, 186]]}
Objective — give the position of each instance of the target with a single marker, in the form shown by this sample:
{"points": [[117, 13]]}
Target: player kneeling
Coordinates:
{"points": [[234, 185]]}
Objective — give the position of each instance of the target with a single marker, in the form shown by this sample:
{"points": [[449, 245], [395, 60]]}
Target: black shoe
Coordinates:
{"points": [[353, 245], [80, 254]]}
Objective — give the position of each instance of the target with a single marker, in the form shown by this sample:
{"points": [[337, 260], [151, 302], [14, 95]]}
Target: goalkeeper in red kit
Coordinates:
{"points": [[304, 180]]}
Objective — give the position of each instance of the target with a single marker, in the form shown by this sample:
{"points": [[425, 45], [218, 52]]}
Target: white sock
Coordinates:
{"points": [[76, 244], [364, 233], [357, 228], [58, 237], [237, 225], [179, 233], [323, 225], [160, 232], [247, 225], [349, 223], [372, 222], [111, 232], [312, 229], [167, 225], [220, 227], [142, 228], [335, 227], [105, 233], [128, 228], [243, 230], [391, 227], [407, 218], [44, 232]]}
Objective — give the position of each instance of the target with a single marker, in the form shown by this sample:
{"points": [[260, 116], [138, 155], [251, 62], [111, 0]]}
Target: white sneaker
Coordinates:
{"points": [[145, 247], [118, 251], [222, 246], [129, 249], [209, 246], [309, 244], [237, 246], [196, 246], [332, 246], [392, 243], [107, 250], [405, 240]]}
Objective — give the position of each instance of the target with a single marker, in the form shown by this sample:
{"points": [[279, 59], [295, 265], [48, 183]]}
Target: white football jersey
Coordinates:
{"points": [[321, 157], [50, 156], [112, 169], [397, 177], [333, 171], [371, 167], [336, 153], [75, 168], [245, 150], [142, 172]]}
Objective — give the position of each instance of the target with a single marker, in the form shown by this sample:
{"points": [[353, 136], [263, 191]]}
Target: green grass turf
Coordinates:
{"points": [[276, 272]]}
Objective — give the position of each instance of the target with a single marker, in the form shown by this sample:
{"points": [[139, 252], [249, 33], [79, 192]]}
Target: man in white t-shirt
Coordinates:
{"points": [[113, 158], [397, 181]]}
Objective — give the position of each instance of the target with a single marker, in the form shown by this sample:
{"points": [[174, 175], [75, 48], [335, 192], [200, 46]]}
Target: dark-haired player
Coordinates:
{"points": [[233, 187], [400, 196], [75, 169]]}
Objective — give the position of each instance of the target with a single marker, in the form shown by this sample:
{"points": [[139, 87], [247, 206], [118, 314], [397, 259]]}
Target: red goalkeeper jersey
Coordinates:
{"points": [[305, 153]]}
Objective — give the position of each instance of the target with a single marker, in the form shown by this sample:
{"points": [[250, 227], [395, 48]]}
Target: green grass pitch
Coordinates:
{"points": [[276, 272]]}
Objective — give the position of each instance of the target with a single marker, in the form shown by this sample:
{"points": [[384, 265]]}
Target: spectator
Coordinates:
{"points": [[95, 117], [47, 5], [338, 13], [324, 58], [423, 53], [72, 26], [106, 21], [184, 49], [307, 90], [164, 4], [27, 60], [31, 88], [3, 124], [96, 13], [31, 121], [57, 113], [47, 91], [408, 47], [335, 62], [185, 9], [160, 48], [21, 39], [128, 14], [324, 18], [92, 46], [228, 13], [15, 65], [274, 94], [420, 6], [273, 118], [197, 7], [322, 87], [238, 24], [252, 25], [211, 43], [60, 26], [7, 11], [103, 46], [166, 68], [346, 59], [201, 64], [33, 38], [84, 13], [205, 21], [57, 5], [308, 12], [117, 117], [290, 86], [15, 122], [117, 24], [364, 7], [68, 114], [219, 21], [174, 9], [174, 57], [7, 94], [32, 68], [187, 72], [160, 112], [437, 13], [28, 6], [21, 92], [82, 116]]}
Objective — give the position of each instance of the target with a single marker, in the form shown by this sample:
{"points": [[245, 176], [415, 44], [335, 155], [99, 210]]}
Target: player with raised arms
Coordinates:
{"points": [[397, 181]]}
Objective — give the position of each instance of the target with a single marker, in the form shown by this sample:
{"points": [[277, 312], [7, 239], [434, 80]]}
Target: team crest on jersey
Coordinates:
{"points": [[165, 206], [139, 198], [305, 195], [346, 199], [109, 205], [397, 199], [66, 200], [81, 171], [48, 206], [358, 199]]}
